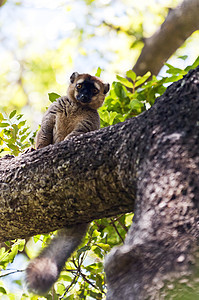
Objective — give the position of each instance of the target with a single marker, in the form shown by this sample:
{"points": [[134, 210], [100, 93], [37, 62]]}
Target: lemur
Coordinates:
{"points": [[68, 116]]}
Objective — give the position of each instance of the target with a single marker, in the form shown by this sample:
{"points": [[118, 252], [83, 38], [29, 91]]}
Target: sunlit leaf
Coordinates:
{"points": [[105, 247], [183, 57], [136, 104], [125, 81], [119, 90], [60, 288], [53, 96], [4, 124], [98, 73], [2, 290], [83, 249], [12, 114], [131, 75], [193, 66], [142, 79], [1, 117]]}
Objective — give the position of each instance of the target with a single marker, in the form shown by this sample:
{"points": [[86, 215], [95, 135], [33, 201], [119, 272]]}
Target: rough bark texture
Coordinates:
{"points": [[151, 163], [159, 257], [180, 23], [75, 181]]}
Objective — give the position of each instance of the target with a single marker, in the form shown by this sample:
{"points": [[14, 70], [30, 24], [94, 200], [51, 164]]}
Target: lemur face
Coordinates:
{"points": [[87, 89]]}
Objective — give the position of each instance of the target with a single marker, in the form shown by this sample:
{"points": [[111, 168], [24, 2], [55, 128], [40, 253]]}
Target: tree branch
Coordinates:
{"points": [[180, 23], [72, 182]]}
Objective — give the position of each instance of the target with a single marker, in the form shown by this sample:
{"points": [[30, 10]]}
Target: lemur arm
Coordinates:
{"points": [[46, 133], [91, 123]]}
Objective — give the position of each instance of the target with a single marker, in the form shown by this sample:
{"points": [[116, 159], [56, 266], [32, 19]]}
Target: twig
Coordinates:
{"points": [[12, 272], [112, 223], [89, 282], [70, 285], [123, 226]]}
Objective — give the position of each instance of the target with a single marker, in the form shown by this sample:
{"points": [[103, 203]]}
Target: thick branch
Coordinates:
{"points": [[180, 23], [75, 181]]}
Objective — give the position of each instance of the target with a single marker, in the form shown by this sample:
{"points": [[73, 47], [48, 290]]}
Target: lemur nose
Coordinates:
{"points": [[83, 98]]}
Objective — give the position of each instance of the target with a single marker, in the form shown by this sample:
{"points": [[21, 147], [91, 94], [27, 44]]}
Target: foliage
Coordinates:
{"points": [[15, 135], [133, 94], [83, 276]]}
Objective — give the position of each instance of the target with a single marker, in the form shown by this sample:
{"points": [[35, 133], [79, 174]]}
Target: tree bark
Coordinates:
{"points": [[150, 162], [75, 181], [180, 23], [159, 259]]}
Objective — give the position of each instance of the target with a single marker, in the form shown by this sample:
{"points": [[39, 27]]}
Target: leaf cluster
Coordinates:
{"points": [[15, 135], [131, 95]]}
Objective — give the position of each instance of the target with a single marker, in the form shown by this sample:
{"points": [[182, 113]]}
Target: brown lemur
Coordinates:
{"points": [[68, 116]]}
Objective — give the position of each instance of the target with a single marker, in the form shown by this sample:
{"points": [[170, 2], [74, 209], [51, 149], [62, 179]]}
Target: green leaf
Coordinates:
{"points": [[94, 295], [14, 252], [131, 75], [7, 243], [4, 124], [70, 297], [136, 104], [3, 253], [37, 237], [96, 233], [19, 116], [66, 278], [104, 115], [125, 81], [21, 244], [143, 79], [119, 90], [193, 66], [98, 73], [175, 71], [13, 147], [99, 282], [83, 249], [60, 288], [183, 57], [23, 138], [105, 247], [12, 114], [2, 290], [1, 117], [53, 96], [15, 130], [21, 124], [112, 116]]}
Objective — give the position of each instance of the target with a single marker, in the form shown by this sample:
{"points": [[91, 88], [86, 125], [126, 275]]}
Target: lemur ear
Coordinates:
{"points": [[106, 87], [73, 77]]}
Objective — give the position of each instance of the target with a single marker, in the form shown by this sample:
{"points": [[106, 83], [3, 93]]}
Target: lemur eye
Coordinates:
{"points": [[95, 91], [78, 86]]}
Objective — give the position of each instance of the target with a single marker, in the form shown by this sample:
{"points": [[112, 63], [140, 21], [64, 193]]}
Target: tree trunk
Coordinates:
{"points": [[180, 23], [150, 162], [159, 259]]}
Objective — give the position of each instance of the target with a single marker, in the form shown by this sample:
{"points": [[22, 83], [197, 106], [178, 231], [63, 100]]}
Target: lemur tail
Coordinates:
{"points": [[44, 270]]}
